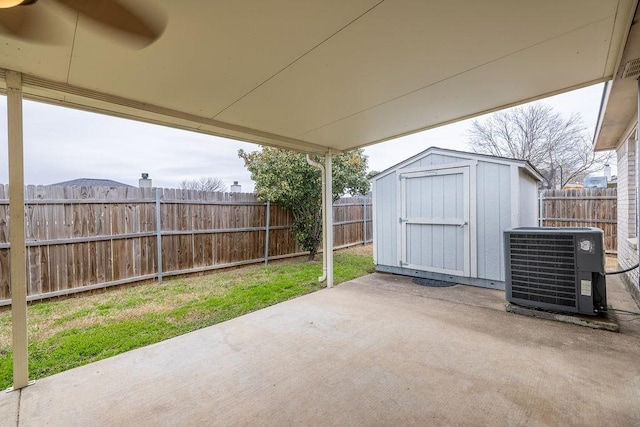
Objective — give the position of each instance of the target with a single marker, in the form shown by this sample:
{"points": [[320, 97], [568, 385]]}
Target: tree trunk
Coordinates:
{"points": [[312, 253]]}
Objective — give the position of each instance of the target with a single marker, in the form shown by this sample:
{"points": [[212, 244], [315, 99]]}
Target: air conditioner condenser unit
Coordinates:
{"points": [[559, 269]]}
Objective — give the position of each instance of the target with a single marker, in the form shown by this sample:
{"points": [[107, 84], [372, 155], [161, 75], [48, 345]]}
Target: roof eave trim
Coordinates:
{"points": [[162, 115]]}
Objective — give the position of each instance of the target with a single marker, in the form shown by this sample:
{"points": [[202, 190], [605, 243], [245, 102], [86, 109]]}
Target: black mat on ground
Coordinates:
{"points": [[432, 282]]}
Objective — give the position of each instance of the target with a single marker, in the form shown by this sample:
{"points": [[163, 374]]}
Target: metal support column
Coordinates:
{"points": [[328, 216], [17, 239]]}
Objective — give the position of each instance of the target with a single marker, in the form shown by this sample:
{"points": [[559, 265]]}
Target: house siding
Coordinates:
{"points": [[627, 250]]}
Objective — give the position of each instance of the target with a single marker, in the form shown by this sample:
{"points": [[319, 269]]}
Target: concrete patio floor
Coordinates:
{"points": [[378, 350]]}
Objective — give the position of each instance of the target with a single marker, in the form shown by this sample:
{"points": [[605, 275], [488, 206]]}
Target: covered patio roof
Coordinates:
{"points": [[323, 74], [313, 76]]}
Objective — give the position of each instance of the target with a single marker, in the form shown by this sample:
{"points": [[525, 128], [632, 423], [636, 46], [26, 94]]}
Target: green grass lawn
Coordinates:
{"points": [[68, 333]]}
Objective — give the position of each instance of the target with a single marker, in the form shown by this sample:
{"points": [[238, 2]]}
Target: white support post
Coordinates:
{"points": [[328, 216], [17, 240]]}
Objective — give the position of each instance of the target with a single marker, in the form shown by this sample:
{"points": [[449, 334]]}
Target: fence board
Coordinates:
{"points": [[4, 274], [589, 207], [87, 237]]}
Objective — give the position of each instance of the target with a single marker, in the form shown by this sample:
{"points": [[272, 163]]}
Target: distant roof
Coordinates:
{"points": [[90, 182]]}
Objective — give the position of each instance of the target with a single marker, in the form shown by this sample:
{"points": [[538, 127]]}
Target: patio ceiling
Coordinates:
{"points": [[325, 74]]}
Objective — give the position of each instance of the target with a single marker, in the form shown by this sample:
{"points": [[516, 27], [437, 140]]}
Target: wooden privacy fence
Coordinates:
{"points": [[588, 207], [84, 238], [352, 221]]}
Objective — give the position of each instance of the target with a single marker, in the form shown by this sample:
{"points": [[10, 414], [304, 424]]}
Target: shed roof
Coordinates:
{"points": [[524, 164], [322, 74]]}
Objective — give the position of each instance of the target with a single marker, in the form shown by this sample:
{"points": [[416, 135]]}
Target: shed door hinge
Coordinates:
{"points": [[401, 220]]}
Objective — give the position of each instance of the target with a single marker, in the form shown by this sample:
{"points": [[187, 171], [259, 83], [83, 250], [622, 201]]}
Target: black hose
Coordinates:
{"points": [[621, 271]]}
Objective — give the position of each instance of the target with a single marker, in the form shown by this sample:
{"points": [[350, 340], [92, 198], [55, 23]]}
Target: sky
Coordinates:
{"points": [[62, 144]]}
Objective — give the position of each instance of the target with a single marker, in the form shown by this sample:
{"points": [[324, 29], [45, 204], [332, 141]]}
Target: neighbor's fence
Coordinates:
{"points": [[589, 207], [83, 238], [352, 221]]}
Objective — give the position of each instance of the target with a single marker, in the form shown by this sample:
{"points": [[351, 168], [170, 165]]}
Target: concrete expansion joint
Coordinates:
{"points": [[19, 403], [18, 408]]}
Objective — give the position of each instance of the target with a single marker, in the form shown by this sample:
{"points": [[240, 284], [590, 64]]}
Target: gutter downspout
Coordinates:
{"points": [[324, 228]]}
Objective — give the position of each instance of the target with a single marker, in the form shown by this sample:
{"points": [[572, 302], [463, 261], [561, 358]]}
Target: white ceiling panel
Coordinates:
{"points": [[479, 89], [326, 73], [212, 53], [404, 46]]}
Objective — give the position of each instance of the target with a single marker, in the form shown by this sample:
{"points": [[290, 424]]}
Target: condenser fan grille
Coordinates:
{"points": [[543, 268]]}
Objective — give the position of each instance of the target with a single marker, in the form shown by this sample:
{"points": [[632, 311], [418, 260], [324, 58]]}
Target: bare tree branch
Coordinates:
{"points": [[549, 141], [204, 184]]}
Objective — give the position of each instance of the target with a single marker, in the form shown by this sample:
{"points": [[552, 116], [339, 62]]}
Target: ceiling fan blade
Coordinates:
{"points": [[142, 28], [6, 4], [33, 24]]}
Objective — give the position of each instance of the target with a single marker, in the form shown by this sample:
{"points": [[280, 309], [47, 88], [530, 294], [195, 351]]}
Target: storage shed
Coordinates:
{"points": [[441, 214]]}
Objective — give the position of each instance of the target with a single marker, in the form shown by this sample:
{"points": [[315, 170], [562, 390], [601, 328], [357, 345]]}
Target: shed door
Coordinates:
{"points": [[434, 223]]}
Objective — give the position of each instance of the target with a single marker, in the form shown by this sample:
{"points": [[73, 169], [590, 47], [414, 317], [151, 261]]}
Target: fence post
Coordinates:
{"points": [[364, 220], [266, 234], [541, 208], [159, 232]]}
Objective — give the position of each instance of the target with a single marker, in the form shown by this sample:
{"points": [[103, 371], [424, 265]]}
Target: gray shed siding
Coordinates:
{"points": [[386, 220], [497, 203], [493, 215], [434, 160], [528, 200]]}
